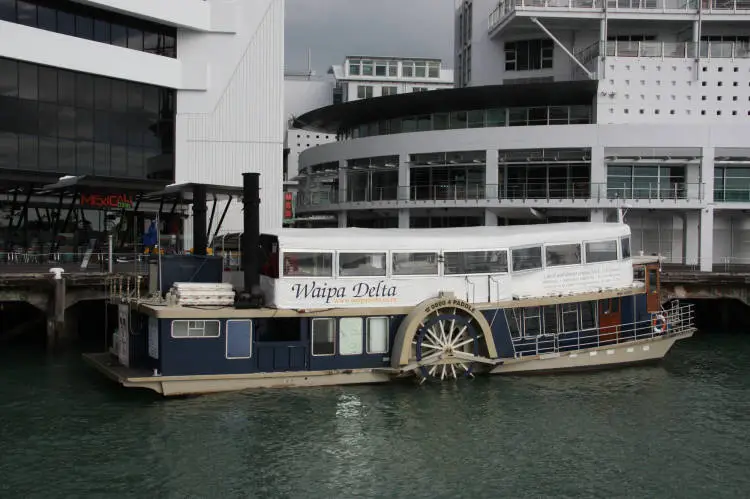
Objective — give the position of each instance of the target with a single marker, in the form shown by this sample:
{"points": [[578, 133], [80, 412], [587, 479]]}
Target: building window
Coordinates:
{"points": [[364, 91], [196, 329], [354, 67], [419, 89], [90, 23], [528, 55], [80, 124], [389, 91]]}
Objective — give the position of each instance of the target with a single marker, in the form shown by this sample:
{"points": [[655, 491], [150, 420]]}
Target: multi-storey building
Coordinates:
{"points": [[567, 110], [363, 77], [137, 95]]}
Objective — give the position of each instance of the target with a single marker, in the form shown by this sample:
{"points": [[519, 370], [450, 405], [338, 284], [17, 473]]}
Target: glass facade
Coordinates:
{"points": [[81, 21], [60, 121], [476, 118], [732, 183], [646, 182], [544, 173]]}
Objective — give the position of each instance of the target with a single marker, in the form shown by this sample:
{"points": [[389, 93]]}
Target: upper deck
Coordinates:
{"points": [[325, 268]]}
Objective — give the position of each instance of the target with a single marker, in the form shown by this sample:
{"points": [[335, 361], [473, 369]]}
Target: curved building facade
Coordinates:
{"points": [[530, 153]]}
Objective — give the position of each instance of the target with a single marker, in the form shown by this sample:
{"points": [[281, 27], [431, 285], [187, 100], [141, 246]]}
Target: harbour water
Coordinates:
{"points": [[677, 429]]}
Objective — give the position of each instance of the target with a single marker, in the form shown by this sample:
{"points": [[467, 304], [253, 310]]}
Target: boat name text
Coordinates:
{"points": [[335, 293]]}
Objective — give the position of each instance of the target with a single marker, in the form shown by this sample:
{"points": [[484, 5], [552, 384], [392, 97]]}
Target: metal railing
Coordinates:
{"points": [[680, 319], [678, 50], [23, 260], [506, 7], [570, 191]]}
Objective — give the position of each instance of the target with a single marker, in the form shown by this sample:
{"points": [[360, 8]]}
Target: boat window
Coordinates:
{"points": [[475, 262], [512, 318], [308, 264], [350, 336], [550, 319], [415, 264], [361, 264], [588, 315], [239, 339], [323, 337], [195, 329], [625, 243], [601, 251], [563, 254], [377, 335], [569, 317], [652, 281], [527, 258], [532, 321]]}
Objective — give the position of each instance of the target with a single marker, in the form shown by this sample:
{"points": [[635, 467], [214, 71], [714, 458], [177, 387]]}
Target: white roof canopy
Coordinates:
{"points": [[449, 239]]}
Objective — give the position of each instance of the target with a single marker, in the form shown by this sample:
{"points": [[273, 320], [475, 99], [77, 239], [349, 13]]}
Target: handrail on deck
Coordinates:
{"points": [[680, 319]]}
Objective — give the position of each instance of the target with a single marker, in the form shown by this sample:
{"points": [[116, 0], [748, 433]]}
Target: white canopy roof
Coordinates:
{"points": [[460, 238]]}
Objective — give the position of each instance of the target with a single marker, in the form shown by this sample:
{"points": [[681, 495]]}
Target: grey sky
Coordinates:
{"points": [[333, 29]]}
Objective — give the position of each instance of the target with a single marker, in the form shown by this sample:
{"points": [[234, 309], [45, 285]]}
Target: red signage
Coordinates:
{"points": [[121, 201], [288, 208]]}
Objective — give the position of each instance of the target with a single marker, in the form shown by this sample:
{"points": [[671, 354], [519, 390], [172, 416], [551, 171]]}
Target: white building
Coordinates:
{"points": [[101, 73], [362, 77], [568, 111]]}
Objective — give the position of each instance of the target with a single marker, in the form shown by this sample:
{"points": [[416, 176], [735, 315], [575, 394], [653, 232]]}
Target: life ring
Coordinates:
{"points": [[659, 323]]}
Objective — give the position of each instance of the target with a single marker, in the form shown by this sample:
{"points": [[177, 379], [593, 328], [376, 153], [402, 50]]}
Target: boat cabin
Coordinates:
{"points": [[323, 268]]}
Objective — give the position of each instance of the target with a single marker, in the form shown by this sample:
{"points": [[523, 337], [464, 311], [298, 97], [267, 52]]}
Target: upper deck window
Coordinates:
{"points": [[625, 250], [475, 262], [563, 254], [361, 264], [526, 258], [601, 251], [308, 264], [415, 264]]}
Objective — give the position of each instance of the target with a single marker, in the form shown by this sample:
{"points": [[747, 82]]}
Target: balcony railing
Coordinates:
{"points": [[678, 50], [532, 191], [505, 7]]}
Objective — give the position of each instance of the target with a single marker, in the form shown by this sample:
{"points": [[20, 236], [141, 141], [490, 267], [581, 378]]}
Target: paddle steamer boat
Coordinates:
{"points": [[341, 306]]}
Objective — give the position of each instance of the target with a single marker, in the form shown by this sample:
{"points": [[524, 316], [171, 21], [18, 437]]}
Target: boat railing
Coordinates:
{"points": [[669, 322]]}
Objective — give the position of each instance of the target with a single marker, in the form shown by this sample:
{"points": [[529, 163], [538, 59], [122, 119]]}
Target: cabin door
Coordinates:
{"points": [[609, 319], [653, 285]]}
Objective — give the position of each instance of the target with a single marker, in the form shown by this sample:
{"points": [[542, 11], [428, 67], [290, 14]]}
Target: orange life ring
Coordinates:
{"points": [[659, 323]]}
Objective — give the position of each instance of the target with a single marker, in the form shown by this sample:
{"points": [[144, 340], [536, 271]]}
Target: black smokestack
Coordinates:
{"points": [[200, 238], [251, 297]]}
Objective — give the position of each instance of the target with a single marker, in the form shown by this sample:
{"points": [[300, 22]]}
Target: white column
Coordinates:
{"points": [[598, 173], [343, 218], [404, 190], [598, 216], [707, 174], [691, 246], [491, 177], [707, 238], [490, 218], [342, 181]]}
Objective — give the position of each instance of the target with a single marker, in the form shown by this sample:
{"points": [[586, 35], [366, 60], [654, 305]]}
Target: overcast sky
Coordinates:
{"points": [[333, 29]]}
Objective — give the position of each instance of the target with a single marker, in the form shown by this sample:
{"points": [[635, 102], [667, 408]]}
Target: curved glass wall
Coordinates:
{"points": [[477, 118]]}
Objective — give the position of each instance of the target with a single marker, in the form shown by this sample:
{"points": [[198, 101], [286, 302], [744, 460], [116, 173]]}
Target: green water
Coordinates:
{"points": [[679, 429]]}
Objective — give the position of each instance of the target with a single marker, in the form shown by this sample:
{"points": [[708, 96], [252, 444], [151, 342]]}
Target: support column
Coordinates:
{"points": [[343, 218], [492, 177], [692, 240], [598, 216], [490, 218], [598, 174], [707, 239], [707, 174], [404, 190], [56, 313], [343, 182]]}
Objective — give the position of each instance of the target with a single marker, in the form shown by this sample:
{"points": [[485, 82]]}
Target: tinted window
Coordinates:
{"points": [[601, 251], [625, 243], [26, 13], [8, 10], [475, 262], [61, 121], [47, 18], [563, 254], [527, 258]]}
